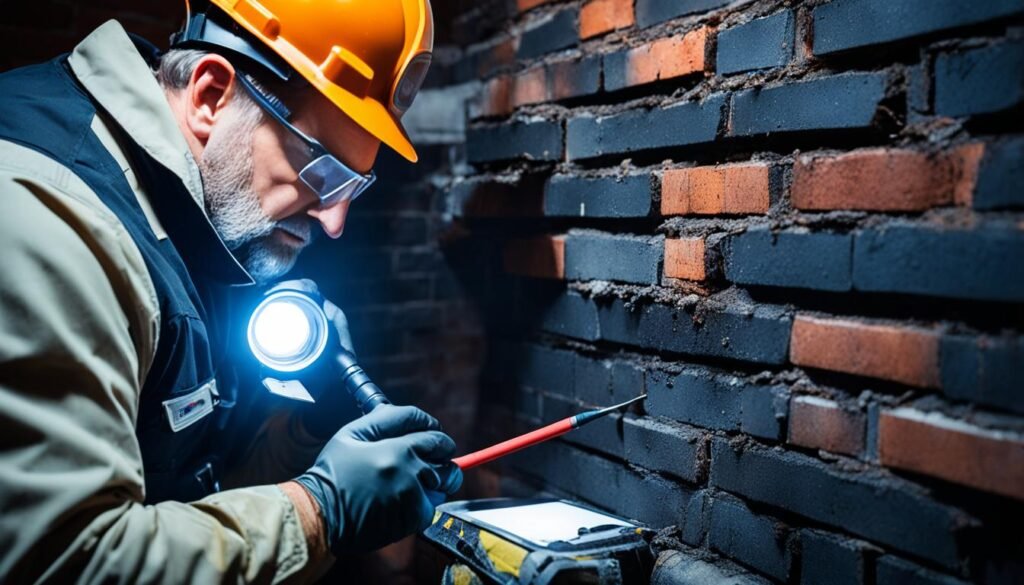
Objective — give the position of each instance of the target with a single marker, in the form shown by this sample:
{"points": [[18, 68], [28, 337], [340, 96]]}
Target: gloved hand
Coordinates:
{"points": [[334, 406], [371, 479]]}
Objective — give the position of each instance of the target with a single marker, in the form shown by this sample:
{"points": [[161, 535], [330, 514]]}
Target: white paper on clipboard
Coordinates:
{"points": [[543, 523]]}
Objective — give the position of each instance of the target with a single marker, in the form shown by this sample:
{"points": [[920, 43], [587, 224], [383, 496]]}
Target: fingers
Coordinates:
{"points": [[389, 422], [340, 322], [450, 478], [431, 446]]}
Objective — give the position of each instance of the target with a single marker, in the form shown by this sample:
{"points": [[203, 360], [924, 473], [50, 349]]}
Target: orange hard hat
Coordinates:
{"points": [[369, 57]]}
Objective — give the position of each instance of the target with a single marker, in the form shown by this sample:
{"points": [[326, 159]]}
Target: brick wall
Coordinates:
{"points": [[797, 226]]}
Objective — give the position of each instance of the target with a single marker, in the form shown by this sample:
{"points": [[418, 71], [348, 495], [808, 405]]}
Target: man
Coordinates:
{"points": [[133, 201]]}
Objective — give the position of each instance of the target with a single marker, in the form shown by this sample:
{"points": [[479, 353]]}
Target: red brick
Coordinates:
{"points": [[569, 79], [953, 450], [496, 97], [530, 87], [668, 58], [525, 5], [685, 258], [601, 16], [899, 354], [539, 257], [883, 179], [729, 189], [500, 56], [817, 423]]}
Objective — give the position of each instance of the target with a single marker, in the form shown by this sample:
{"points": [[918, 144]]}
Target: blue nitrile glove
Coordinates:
{"points": [[372, 477]]}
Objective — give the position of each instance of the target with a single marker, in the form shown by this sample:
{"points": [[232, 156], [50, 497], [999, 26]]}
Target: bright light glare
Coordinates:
{"points": [[282, 330]]}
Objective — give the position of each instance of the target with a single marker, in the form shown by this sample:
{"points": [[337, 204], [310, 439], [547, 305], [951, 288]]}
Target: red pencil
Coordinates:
{"points": [[540, 435]]}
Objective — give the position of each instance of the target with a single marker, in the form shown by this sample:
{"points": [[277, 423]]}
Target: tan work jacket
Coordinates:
{"points": [[79, 325]]}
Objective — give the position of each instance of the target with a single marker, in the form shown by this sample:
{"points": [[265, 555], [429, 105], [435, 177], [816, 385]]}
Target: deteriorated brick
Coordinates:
{"points": [[723, 190], [569, 79], [686, 258], [884, 179], [817, 423], [842, 25], [598, 17], [530, 87], [659, 60], [539, 257], [933, 444], [980, 81], [899, 354]]}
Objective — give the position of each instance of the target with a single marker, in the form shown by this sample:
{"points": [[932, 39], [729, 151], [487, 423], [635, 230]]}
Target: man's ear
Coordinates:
{"points": [[209, 92]]}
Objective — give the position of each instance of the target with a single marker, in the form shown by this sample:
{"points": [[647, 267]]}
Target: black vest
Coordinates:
{"points": [[44, 108]]}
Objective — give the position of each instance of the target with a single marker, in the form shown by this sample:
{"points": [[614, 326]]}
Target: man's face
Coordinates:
{"points": [[250, 168]]}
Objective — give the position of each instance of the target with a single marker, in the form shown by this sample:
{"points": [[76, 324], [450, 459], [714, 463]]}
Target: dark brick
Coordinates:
{"points": [[840, 102], [483, 198], [635, 259], [721, 402], [895, 571], [818, 261], [758, 44], [756, 541], [665, 448], [847, 24], [569, 79], [572, 315], [979, 264], [983, 369], [827, 559], [738, 332], [981, 81], [544, 368], [556, 33], [593, 382], [518, 140], [765, 410], [641, 129], [1001, 176], [528, 405], [889, 511], [651, 12], [628, 381], [622, 197], [696, 397]]}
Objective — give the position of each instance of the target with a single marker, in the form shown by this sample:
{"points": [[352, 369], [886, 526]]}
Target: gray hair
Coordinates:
{"points": [[175, 72]]}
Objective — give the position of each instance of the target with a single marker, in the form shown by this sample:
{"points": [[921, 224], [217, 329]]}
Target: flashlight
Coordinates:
{"points": [[288, 332]]}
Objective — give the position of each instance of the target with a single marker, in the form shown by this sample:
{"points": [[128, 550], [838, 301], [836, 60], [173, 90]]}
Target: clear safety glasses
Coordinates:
{"points": [[329, 178]]}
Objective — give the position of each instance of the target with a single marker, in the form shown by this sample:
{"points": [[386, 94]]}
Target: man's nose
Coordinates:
{"points": [[332, 218]]}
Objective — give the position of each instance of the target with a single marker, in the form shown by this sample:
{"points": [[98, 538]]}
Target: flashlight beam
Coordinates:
{"points": [[555, 429]]}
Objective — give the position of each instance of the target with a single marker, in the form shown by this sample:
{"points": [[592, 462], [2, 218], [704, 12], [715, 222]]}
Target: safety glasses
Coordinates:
{"points": [[330, 179]]}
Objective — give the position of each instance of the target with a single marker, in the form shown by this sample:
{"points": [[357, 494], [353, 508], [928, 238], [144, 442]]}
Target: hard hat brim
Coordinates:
{"points": [[371, 116]]}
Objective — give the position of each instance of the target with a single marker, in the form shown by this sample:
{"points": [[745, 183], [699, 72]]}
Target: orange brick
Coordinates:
{"points": [[539, 257], [882, 179], [496, 97], [899, 354], [685, 258], [667, 58], [530, 87], [525, 5], [817, 423], [729, 189], [601, 16], [936, 445]]}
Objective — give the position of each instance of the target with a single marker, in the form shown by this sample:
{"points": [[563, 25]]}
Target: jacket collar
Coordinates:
{"points": [[110, 67]]}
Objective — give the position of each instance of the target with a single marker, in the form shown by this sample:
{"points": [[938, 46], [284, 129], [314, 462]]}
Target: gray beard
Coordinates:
{"points": [[227, 169]]}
